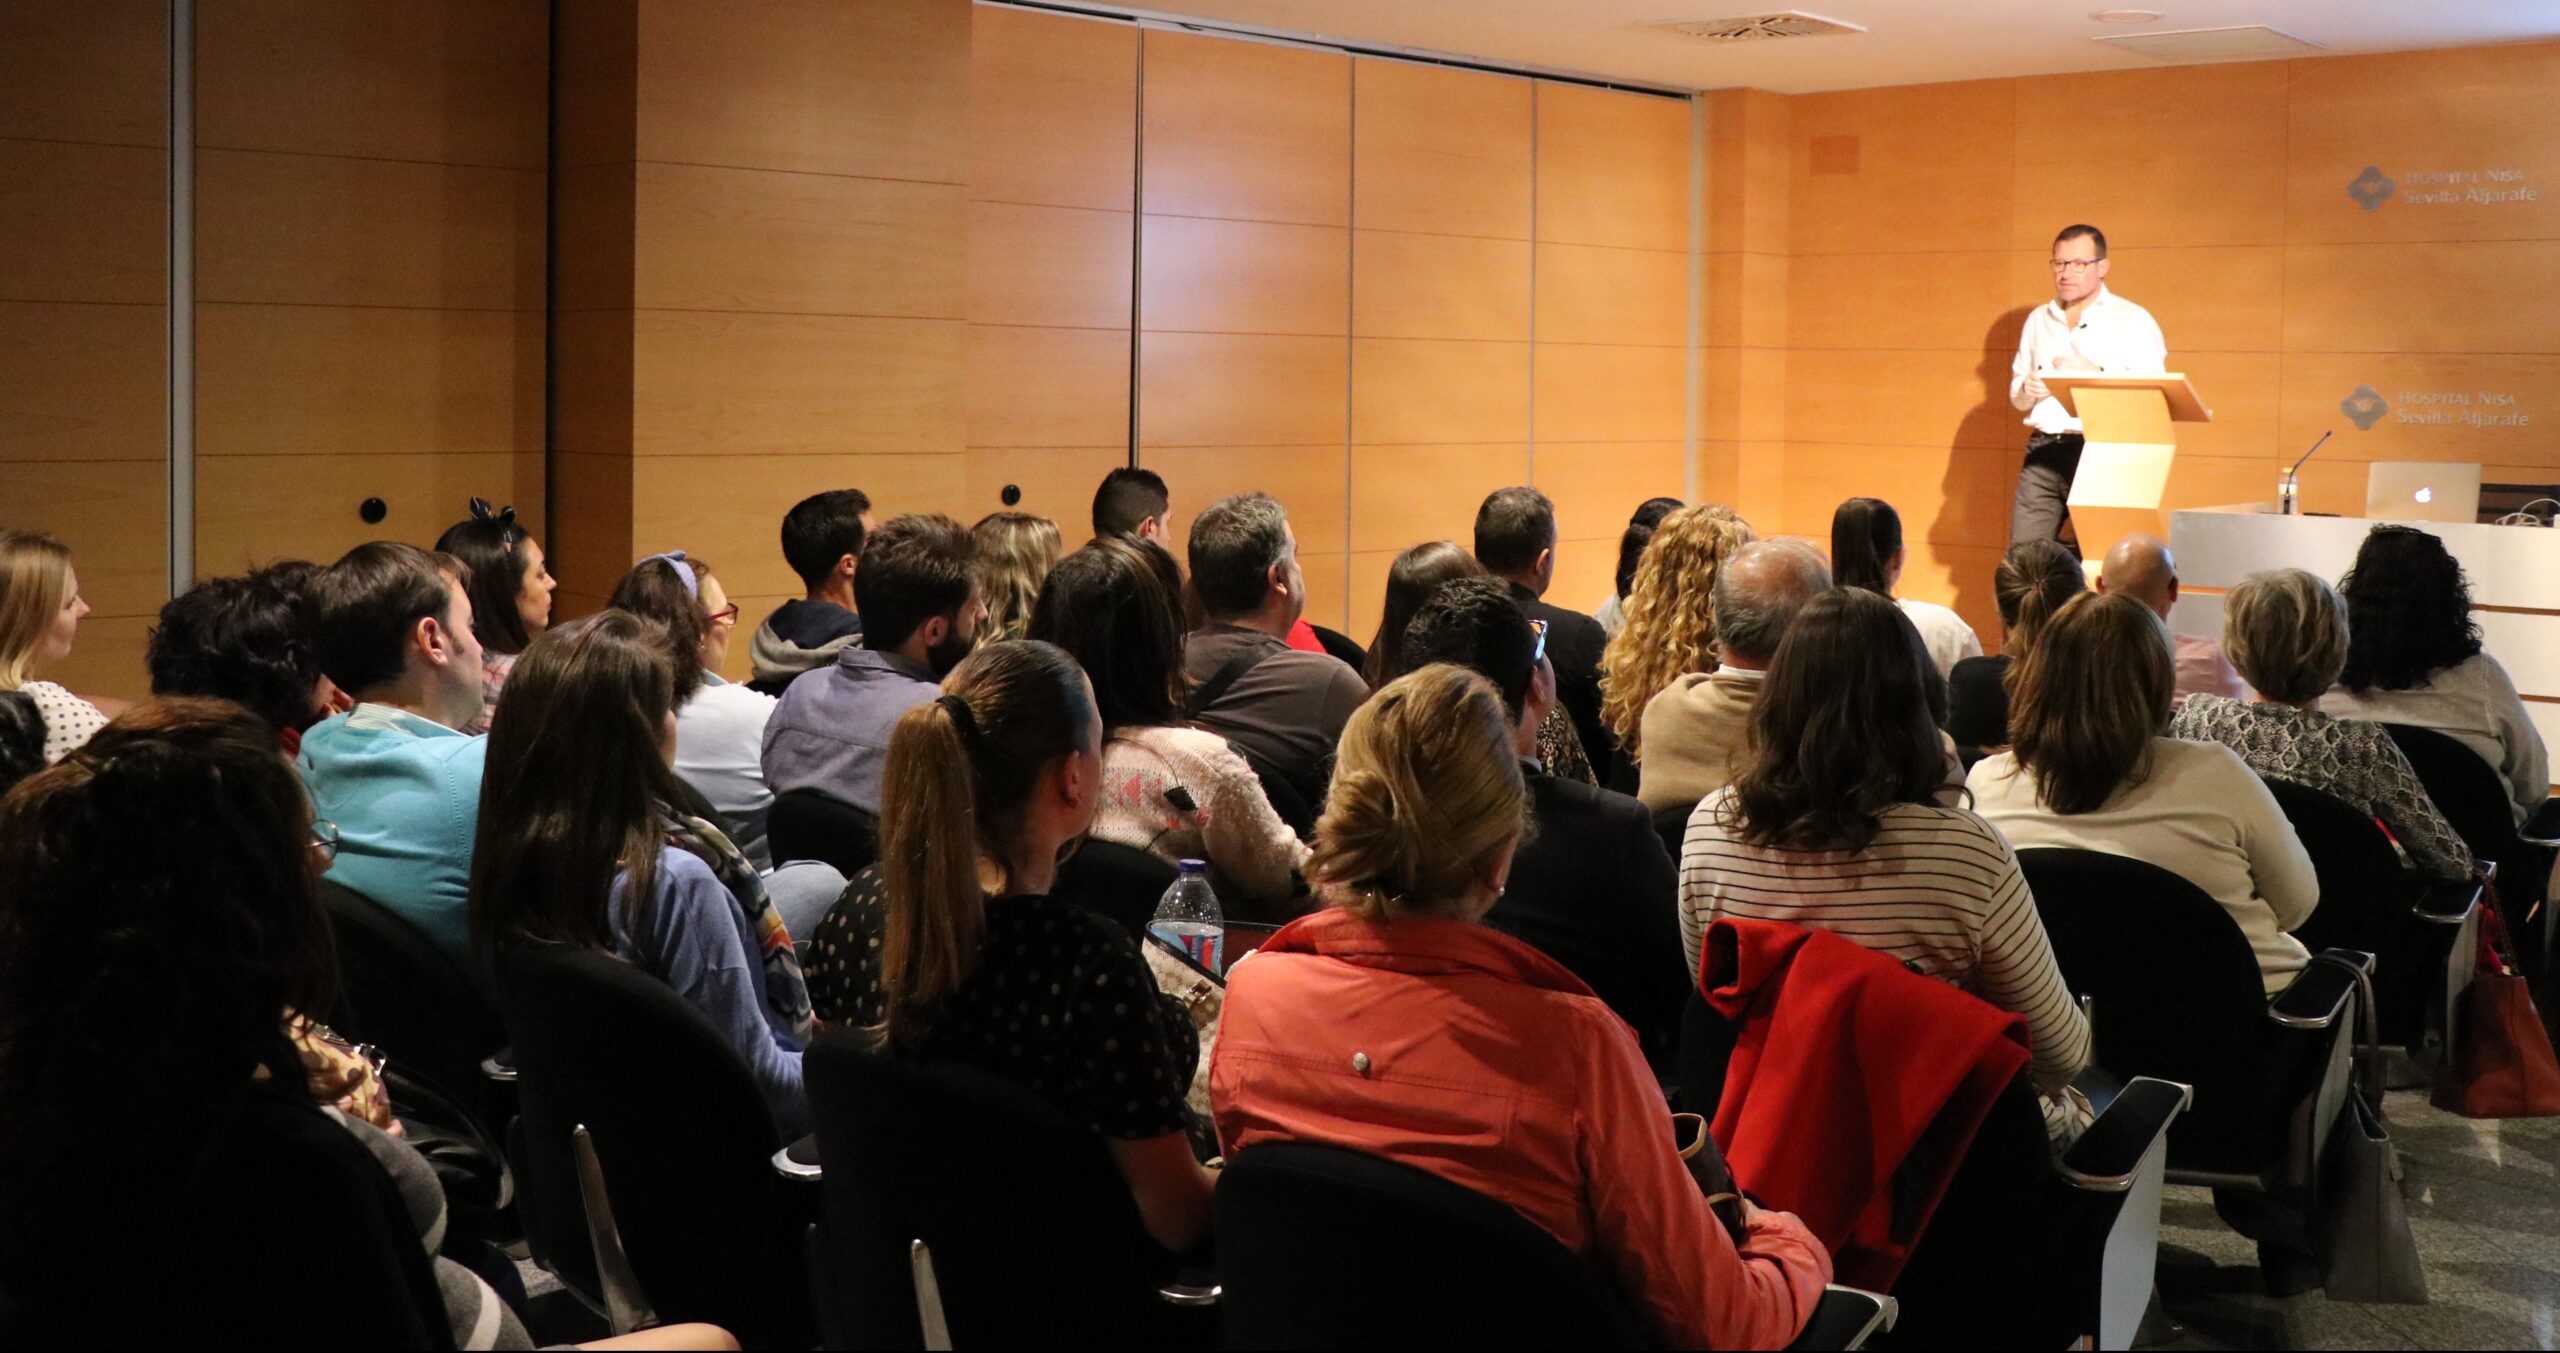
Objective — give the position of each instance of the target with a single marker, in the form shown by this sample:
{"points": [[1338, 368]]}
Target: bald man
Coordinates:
{"points": [[2142, 568]]}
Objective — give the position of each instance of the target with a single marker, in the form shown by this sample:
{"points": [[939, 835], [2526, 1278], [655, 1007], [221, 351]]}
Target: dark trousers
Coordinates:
{"points": [[2040, 510]]}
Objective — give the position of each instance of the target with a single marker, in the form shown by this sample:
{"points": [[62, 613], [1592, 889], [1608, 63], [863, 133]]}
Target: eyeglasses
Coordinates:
{"points": [[324, 839], [726, 615], [2074, 265], [1538, 652]]}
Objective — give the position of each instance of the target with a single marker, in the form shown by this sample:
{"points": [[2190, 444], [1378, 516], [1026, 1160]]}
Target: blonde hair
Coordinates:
{"points": [[1426, 792], [2286, 632], [35, 584], [1016, 550], [1671, 614]]}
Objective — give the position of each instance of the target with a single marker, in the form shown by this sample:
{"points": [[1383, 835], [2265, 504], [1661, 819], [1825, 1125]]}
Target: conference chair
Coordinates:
{"points": [[960, 1203], [1119, 881], [2422, 934], [1322, 1247], [2472, 795], [808, 825], [2023, 1251], [1672, 825], [432, 1018], [1285, 797], [1342, 646], [2173, 992], [668, 1204]]}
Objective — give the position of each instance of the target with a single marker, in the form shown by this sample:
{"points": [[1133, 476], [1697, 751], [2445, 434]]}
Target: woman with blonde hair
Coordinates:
{"points": [[1670, 629], [40, 610], [1393, 1022], [2091, 766], [1016, 550]]}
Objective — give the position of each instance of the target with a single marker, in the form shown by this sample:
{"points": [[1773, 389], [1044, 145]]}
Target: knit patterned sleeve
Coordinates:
{"points": [[2392, 792]]}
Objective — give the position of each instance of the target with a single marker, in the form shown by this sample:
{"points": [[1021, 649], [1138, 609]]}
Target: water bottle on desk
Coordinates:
{"points": [[1188, 916]]}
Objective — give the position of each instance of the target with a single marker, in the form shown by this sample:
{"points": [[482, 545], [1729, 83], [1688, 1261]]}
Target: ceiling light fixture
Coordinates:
{"points": [[2126, 15]]}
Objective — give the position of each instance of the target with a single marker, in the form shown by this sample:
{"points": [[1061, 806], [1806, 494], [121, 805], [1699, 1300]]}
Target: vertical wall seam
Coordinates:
{"points": [[1693, 472], [1350, 307], [551, 278], [1137, 230], [181, 525], [1537, 100]]}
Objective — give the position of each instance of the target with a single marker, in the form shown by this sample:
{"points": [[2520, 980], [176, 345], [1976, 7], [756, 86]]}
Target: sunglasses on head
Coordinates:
{"points": [[1538, 651]]}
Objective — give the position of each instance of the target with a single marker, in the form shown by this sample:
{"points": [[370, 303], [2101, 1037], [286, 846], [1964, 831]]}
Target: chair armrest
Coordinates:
{"points": [[799, 1161], [2109, 1155], [499, 1067], [2448, 902], [2543, 827], [1184, 1294], [1846, 1318], [2319, 993]]}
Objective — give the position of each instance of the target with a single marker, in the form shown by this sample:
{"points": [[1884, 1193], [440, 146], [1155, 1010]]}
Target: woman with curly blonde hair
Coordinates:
{"points": [[1671, 615]]}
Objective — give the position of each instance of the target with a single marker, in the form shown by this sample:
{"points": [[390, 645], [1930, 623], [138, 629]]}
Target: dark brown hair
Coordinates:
{"points": [[576, 785], [2032, 581], [654, 590], [364, 605], [2408, 611], [961, 767], [1411, 579], [1865, 532], [1115, 606], [494, 560], [1843, 728], [2087, 698]]}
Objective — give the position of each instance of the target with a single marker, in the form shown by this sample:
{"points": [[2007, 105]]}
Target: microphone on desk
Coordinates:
{"points": [[2288, 493]]}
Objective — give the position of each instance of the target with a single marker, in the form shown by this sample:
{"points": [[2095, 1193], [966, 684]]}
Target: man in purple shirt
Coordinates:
{"points": [[921, 605]]}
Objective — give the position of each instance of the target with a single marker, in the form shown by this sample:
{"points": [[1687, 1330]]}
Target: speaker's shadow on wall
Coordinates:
{"points": [[1983, 456]]}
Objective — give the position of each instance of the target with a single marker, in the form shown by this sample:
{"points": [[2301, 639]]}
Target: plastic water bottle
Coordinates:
{"points": [[1188, 915]]}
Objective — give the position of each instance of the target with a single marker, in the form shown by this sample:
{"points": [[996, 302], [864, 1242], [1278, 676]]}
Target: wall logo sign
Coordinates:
{"points": [[2372, 188], [2481, 409], [2365, 407]]}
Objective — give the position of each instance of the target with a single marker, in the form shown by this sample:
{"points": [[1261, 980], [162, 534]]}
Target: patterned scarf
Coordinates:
{"points": [[786, 995]]}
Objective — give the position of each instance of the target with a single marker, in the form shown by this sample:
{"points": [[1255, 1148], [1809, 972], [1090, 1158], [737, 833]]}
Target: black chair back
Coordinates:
{"points": [[398, 991], [1036, 1240], [2366, 896], [684, 1135], [2467, 790], [1672, 825], [1286, 798], [1121, 882], [2177, 995], [1342, 646], [808, 825], [1326, 1248]]}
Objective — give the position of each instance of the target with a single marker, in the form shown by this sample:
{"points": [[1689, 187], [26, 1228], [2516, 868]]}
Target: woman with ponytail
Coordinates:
{"points": [[2033, 580], [1866, 551], [987, 785], [510, 589], [1393, 1022]]}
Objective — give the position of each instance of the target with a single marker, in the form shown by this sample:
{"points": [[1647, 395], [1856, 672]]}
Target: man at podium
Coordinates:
{"points": [[2085, 328]]}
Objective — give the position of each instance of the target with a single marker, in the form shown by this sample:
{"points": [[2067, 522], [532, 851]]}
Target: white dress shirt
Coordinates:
{"points": [[2113, 332], [1948, 639]]}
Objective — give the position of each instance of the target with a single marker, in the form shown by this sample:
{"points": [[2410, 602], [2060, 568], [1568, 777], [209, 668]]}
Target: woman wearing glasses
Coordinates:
{"points": [[719, 723], [2085, 328]]}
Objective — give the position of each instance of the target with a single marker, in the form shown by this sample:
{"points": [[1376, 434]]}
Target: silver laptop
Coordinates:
{"points": [[2422, 490]]}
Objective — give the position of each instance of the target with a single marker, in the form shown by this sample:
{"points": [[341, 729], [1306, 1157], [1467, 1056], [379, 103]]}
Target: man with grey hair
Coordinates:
{"points": [[1692, 733], [1281, 707], [2141, 567]]}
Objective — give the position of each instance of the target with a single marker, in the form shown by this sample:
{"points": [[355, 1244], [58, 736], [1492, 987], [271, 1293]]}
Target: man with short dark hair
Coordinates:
{"points": [[247, 640], [2084, 328], [1591, 886], [1282, 707], [391, 625], [1693, 730], [1132, 502], [822, 541], [1516, 542], [921, 604]]}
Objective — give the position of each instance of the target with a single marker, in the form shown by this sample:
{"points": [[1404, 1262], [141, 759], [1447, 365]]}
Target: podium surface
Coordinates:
{"points": [[2127, 422]]}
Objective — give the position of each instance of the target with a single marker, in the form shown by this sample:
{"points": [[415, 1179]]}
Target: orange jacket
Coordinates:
{"points": [[1459, 1050]]}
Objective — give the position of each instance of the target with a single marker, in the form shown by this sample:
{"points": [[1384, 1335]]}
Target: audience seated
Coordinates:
{"points": [[1411, 579], [1516, 542], [2141, 567], [2286, 632], [1832, 823], [962, 955], [822, 542], [1393, 1022], [2090, 767], [247, 640], [2031, 582], [1282, 707], [918, 590], [2414, 657], [511, 591], [1179, 792], [1591, 885], [1631, 542], [40, 610], [391, 625], [1867, 551], [1133, 502], [581, 843], [1671, 623], [1016, 550], [1693, 731]]}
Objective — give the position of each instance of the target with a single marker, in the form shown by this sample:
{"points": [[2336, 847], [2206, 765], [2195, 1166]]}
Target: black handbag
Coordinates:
{"points": [[2361, 1230]]}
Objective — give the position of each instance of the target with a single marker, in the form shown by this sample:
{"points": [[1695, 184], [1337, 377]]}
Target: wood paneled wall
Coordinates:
{"points": [[1916, 222], [369, 321], [84, 321]]}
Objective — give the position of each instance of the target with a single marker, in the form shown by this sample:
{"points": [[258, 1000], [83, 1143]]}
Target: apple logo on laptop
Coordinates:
{"points": [[2426, 495]]}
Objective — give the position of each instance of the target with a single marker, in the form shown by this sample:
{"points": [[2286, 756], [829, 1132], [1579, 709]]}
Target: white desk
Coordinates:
{"points": [[2514, 572]]}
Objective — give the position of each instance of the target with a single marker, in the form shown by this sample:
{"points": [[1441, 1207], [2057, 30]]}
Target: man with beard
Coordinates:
{"points": [[921, 606]]}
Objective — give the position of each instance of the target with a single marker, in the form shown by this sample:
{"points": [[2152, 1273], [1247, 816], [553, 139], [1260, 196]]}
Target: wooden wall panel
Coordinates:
{"points": [[1441, 151], [1917, 169], [1054, 109], [243, 521], [84, 222], [324, 230], [433, 84], [1420, 391], [1613, 168], [110, 513], [1405, 495], [1243, 277], [2449, 406], [96, 73], [363, 381], [793, 243], [738, 527], [1049, 267], [1588, 294], [1590, 393], [1242, 390], [2177, 156], [2481, 115], [2470, 297], [81, 381], [1246, 131], [773, 383], [1439, 286], [1042, 387], [1054, 482]]}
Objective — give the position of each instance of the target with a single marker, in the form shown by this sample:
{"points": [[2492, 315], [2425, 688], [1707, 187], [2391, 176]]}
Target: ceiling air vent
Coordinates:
{"points": [[2213, 44], [1795, 23]]}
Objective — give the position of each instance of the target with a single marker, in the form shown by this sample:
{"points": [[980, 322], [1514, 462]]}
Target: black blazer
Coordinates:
{"points": [[1594, 889], [1574, 644]]}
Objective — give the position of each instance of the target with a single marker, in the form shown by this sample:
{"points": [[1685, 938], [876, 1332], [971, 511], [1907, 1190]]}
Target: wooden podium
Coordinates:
{"points": [[2129, 422]]}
